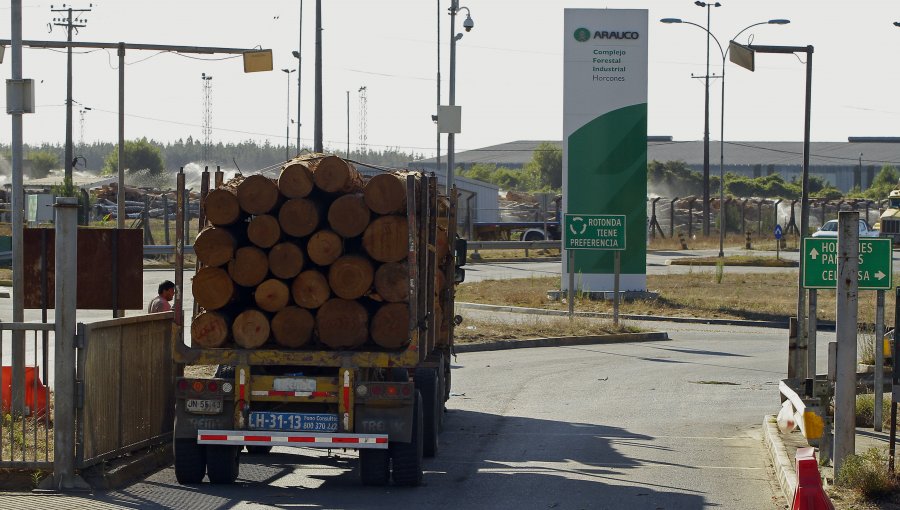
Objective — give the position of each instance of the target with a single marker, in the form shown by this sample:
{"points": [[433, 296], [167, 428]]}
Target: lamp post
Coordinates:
{"points": [[708, 7], [287, 115], [468, 25], [860, 177], [724, 53]]}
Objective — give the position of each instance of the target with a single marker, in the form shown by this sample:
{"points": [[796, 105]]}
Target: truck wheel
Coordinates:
{"points": [[190, 461], [259, 450], [222, 463], [534, 236], [407, 457], [374, 466], [427, 384]]}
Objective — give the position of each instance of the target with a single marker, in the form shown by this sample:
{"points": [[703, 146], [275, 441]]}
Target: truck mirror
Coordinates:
{"points": [[461, 248]]}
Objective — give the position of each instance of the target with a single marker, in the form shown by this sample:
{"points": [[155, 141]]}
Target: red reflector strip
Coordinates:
{"points": [[345, 440], [315, 440], [301, 439], [258, 438], [211, 437], [380, 440]]}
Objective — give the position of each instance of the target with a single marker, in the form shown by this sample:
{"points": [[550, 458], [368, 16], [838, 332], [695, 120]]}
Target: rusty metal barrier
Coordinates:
{"points": [[125, 386], [26, 440]]}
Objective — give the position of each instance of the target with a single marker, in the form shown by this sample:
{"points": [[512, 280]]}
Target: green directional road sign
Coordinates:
{"points": [[820, 263], [595, 232]]}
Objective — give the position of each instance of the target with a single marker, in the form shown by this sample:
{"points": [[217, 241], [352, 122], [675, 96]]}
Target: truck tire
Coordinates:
{"points": [[374, 466], [406, 458], [222, 463], [534, 236], [427, 384], [190, 461], [259, 450]]}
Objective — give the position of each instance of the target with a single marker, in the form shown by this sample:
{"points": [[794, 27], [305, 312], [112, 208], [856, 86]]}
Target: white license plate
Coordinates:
{"points": [[307, 384], [198, 406]]}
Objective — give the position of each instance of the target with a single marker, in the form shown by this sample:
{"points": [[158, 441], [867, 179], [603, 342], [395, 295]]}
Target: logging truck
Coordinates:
{"points": [[326, 301], [889, 222]]}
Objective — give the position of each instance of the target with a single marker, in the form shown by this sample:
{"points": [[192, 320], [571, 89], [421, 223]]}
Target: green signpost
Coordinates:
{"points": [[820, 263], [595, 231]]}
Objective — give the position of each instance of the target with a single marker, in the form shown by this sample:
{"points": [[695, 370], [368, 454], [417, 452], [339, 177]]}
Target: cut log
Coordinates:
{"points": [[222, 206], [299, 217], [249, 266], [296, 179], [292, 327], [210, 329], [286, 260], [342, 324], [272, 295], [386, 239], [264, 231], [390, 325], [257, 194], [214, 246], [332, 174], [213, 288], [310, 289], [349, 215], [250, 329], [324, 247], [350, 276], [392, 282], [386, 193]]}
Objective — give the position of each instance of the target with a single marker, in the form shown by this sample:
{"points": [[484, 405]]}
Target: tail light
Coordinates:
{"points": [[212, 386], [182, 385], [197, 386]]}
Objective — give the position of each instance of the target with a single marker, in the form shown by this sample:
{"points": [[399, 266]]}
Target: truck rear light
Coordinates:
{"points": [[407, 391], [182, 385], [392, 390], [362, 390], [227, 387], [376, 390], [197, 386], [212, 386]]}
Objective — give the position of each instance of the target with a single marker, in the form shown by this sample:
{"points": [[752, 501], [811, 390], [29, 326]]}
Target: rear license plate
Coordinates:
{"points": [[302, 384], [307, 422], [197, 406]]}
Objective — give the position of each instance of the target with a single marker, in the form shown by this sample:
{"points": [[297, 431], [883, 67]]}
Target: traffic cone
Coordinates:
{"points": [[810, 494]]}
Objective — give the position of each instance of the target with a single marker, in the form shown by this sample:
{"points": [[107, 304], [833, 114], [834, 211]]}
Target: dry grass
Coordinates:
{"points": [[477, 330], [29, 433], [514, 254], [734, 260], [712, 242], [739, 296]]}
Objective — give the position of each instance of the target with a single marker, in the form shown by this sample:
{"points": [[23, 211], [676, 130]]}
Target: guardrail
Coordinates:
{"points": [[809, 414], [514, 245]]}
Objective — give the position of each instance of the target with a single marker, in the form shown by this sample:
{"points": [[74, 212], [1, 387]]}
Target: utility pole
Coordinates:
{"points": [[435, 117], [207, 114], [706, 211], [348, 125], [317, 142], [363, 121], [299, 56], [70, 25]]}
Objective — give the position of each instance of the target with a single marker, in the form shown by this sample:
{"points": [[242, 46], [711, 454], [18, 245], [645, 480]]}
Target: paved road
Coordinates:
{"points": [[671, 425]]}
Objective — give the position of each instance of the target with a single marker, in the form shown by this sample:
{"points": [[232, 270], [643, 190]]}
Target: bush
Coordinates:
{"points": [[865, 410], [867, 474]]}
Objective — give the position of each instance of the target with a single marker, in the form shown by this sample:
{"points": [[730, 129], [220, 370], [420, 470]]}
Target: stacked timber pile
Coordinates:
{"points": [[313, 259]]}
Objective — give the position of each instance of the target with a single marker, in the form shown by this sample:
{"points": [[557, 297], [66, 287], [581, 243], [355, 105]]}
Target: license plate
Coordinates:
{"points": [[307, 422], [197, 406], [306, 384]]}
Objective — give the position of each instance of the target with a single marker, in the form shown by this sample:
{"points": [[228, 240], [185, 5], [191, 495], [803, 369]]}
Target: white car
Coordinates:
{"points": [[830, 229]]}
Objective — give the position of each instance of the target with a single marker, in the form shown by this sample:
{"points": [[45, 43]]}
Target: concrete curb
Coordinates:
{"points": [[563, 341], [662, 318], [508, 260], [709, 263], [130, 469], [784, 470]]}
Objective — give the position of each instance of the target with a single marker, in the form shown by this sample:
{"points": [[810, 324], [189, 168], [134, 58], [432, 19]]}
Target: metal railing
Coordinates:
{"points": [[26, 440], [126, 381], [514, 245]]}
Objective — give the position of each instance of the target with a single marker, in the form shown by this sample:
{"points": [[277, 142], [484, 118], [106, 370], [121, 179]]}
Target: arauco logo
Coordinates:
{"points": [[582, 34]]}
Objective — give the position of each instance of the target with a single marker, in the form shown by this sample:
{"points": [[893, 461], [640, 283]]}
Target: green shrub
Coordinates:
{"points": [[865, 410], [867, 474]]}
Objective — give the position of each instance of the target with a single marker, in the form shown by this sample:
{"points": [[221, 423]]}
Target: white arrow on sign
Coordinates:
{"points": [[814, 253], [880, 275]]}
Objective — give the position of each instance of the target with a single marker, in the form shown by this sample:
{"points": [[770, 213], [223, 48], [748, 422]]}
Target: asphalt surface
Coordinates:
{"points": [[672, 425]]}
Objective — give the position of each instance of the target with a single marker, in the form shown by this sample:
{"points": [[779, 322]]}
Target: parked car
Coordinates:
{"points": [[830, 229]]}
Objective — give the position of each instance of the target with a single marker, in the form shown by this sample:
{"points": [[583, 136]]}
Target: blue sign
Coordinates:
{"points": [[777, 231]]}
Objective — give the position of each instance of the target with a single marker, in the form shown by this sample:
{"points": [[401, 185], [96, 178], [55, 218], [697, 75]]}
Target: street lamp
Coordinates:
{"points": [[468, 25], [287, 113], [708, 7], [724, 53]]}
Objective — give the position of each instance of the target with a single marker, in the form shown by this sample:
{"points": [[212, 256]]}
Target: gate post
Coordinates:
{"points": [[66, 276]]}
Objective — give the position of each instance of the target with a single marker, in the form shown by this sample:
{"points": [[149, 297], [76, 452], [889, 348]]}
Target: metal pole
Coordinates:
{"points": [[299, 75], [317, 143], [179, 254], [804, 207], [847, 313], [617, 270], [68, 151], [348, 124], [451, 140], [120, 193], [879, 360], [571, 296], [722, 169], [811, 352], [66, 272], [287, 119], [438, 159], [18, 217], [706, 130], [895, 374]]}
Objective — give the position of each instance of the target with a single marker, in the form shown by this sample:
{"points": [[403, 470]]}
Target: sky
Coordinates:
{"points": [[509, 71]]}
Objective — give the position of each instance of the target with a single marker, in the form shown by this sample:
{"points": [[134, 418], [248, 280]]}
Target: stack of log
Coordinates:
{"points": [[315, 258]]}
